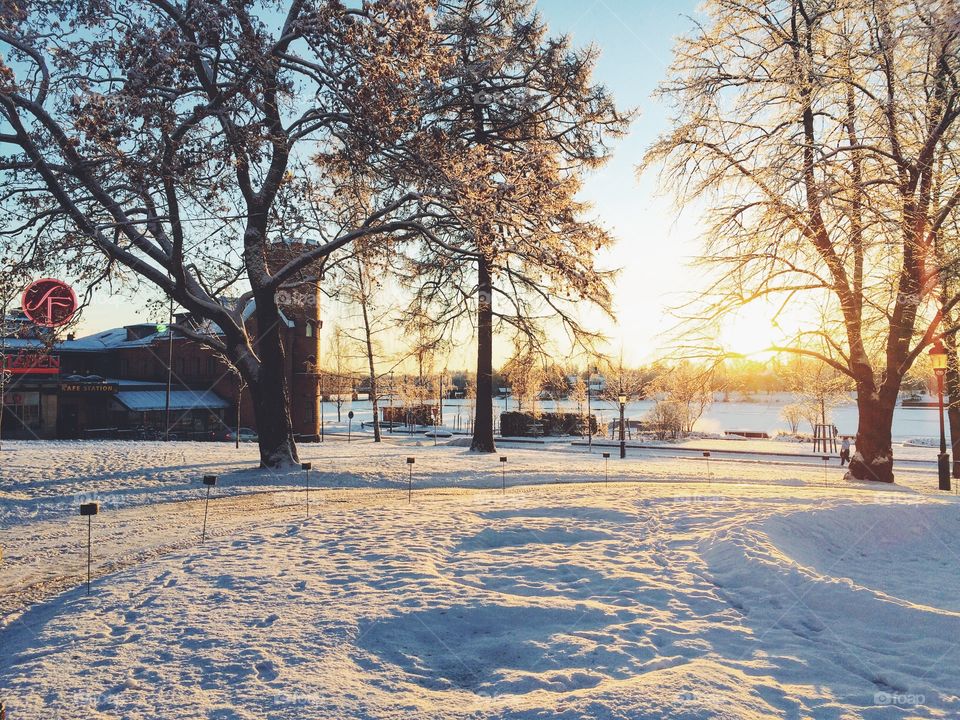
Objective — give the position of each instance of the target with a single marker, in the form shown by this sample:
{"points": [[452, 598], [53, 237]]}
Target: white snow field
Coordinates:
{"points": [[747, 588]]}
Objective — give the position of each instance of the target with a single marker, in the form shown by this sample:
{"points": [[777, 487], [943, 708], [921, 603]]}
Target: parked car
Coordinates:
{"points": [[246, 435]]}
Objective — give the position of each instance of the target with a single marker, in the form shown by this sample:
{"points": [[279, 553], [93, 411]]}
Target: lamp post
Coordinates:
{"points": [[938, 359], [623, 441]]}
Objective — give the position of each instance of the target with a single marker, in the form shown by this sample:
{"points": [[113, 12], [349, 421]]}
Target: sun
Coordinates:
{"points": [[751, 331]]}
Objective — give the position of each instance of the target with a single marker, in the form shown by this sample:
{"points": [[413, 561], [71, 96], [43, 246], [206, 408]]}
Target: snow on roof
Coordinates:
{"points": [[116, 338], [252, 305], [106, 340], [143, 400]]}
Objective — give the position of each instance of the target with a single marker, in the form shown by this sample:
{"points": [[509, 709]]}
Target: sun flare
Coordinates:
{"points": [[751, 331]]}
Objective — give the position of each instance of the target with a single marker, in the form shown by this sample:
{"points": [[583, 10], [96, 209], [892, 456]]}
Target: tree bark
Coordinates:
{"points": [[271, 399], [953, 397], [483, 417], [372, 368], [873, 459]]}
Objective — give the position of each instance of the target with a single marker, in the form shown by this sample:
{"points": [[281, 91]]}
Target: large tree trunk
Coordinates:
{"points": [[483, 417], [953, 395], [873, 459], [271, 400]]}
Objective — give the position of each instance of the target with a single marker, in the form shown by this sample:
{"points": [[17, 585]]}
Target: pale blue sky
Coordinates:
{"points": [[654, 244]]}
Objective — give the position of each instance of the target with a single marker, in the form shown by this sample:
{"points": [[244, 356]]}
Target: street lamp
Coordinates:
{"points": [[938, 359], [623, 442]]}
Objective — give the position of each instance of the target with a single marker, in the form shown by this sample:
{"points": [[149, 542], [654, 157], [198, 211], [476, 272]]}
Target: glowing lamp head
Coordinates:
{"points": [[938, 358], [623, 399]]}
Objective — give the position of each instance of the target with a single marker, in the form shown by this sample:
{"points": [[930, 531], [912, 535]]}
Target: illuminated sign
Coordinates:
{"points": [[49, 302], [28, 363], [97, 388]]}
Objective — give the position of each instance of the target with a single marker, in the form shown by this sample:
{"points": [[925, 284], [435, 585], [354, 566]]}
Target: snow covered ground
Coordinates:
{"points": [[680, 589]]}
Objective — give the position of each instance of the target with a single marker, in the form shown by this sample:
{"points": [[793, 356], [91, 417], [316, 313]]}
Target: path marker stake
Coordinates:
{"points": [[410, 462], [209, 481], [88, 510], [307, 467]]}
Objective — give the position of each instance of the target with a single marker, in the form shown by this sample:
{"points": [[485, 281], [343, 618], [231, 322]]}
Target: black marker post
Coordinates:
{"points": [[209, 481], [410, 462], [88, 510], [307, 467]]}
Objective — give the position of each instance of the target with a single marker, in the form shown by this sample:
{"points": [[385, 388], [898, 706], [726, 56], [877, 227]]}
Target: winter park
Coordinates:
{"points": [[479, 359]]}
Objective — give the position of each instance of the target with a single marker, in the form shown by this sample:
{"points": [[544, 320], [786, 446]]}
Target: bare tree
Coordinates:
{"points": [[667, 419], [340, 367], [793, 414], [555, 384], [360, 280], [818, 389], [157, 140], [578, 393], [524, 373], [815, 129], [688, 388]]}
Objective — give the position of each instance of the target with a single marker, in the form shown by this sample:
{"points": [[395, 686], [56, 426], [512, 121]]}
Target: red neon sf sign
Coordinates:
{"points": [[49, 302]]}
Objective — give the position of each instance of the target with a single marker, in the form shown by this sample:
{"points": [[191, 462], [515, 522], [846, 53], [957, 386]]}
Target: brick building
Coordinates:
{"points": [[114, 383]]}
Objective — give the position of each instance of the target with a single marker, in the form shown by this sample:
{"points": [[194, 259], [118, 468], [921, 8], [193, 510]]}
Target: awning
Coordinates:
{"points": [[144, 400]]}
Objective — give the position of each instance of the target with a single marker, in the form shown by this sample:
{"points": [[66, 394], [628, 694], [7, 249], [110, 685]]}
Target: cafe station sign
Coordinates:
{"points": [[89, 388]]}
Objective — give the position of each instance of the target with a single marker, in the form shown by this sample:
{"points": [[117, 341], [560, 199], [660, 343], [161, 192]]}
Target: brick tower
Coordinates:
{"points": [[299, 301]]}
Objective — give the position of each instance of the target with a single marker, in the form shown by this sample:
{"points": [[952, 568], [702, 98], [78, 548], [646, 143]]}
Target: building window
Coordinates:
{"points": [[309, 329]]}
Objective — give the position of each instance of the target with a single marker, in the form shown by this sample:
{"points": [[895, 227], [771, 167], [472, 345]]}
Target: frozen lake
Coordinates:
{"points": [[760, 413]]}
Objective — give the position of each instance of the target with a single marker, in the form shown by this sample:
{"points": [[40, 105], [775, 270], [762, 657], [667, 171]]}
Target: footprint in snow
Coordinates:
{"points": [[267, 671], [267, 621]]}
